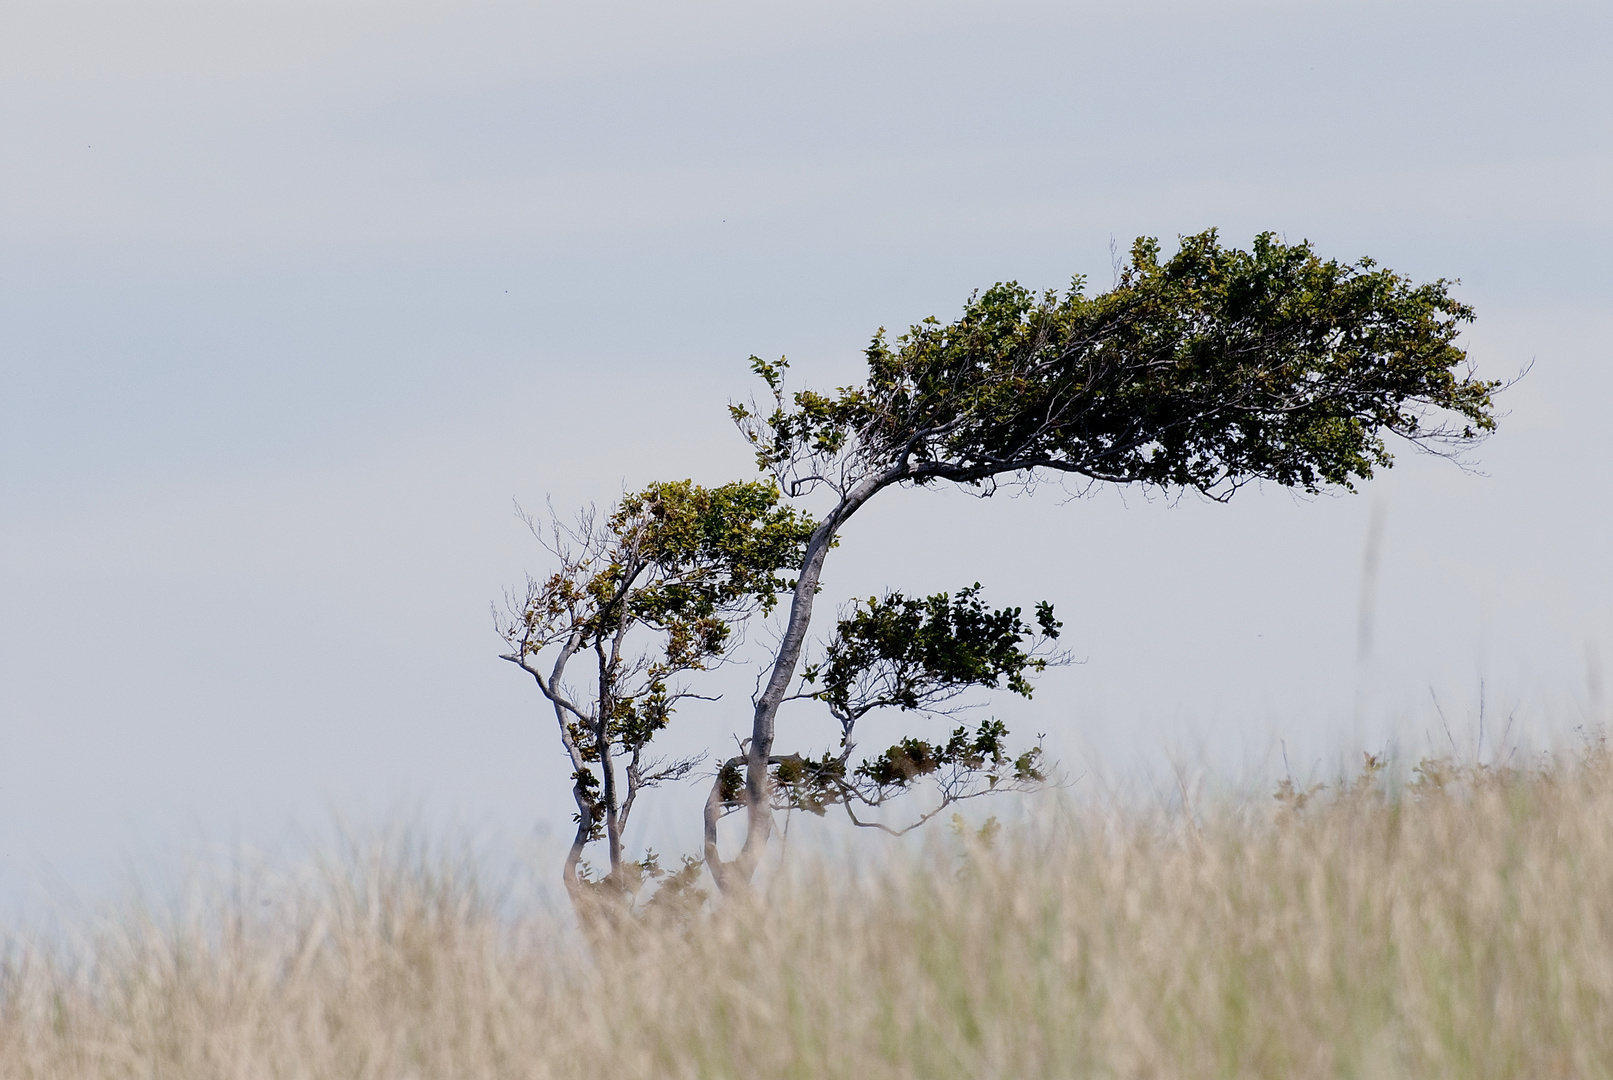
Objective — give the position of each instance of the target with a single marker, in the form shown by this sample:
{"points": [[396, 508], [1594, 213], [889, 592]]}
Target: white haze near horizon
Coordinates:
{"points": [[296, 298]]}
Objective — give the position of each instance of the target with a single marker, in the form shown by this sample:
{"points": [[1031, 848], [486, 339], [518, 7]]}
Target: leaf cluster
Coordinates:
{"points": [[911, 653], [713, 547], [676, 558], [984, 750], [966, 765]]}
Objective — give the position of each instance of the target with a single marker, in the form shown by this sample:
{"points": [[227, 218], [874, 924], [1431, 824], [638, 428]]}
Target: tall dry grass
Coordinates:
{"points": [[1460, 927]]}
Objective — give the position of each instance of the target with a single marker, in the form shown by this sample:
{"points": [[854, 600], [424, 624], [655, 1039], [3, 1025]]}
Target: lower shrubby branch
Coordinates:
{"points": [[920, 655], [910, 655], [637, 893], [967, 766]]}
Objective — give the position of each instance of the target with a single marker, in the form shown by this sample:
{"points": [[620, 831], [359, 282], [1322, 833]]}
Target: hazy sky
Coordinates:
{"points": [[296, 298]]}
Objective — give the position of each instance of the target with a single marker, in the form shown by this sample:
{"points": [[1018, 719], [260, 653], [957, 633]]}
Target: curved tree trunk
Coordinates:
{"points": [[568, 873], [613, 820], [737, 874], [720, 871]]}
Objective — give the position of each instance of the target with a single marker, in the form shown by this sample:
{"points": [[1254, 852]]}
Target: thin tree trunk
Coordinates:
{"points": [[607, 795], [758, 785], [613, 824], [568, 874], [713, 814]]}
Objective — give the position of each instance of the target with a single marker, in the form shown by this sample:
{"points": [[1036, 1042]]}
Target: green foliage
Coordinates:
{"points": [[982, 751], [967, 764], [714, 547], [908, 653], [677, 558], [649, 593], [810, 784], [1207, 370], [731, 782], [912, 654]]}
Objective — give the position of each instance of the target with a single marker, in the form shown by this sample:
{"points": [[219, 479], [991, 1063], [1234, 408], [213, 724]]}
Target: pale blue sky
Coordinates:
{"points": [[295, 298]]}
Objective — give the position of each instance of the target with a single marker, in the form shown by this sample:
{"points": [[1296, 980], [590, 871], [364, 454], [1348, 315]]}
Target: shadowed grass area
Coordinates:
{"points": [[1458, 926]]}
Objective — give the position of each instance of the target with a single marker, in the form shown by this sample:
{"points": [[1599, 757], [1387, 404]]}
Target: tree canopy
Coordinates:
{"points": [[648, 594], [1207, 370]]}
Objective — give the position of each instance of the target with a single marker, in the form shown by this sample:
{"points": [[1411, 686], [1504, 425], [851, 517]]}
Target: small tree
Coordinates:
{"points": [[1206, 371], [913, 655], [640, 598]]}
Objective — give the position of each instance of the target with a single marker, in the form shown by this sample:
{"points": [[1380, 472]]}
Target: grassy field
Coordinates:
{"points": [[1460, 925]]}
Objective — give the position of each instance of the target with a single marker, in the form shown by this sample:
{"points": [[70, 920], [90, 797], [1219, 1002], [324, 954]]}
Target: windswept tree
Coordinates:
{"points": [[640, 600], [1205, 371]]}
